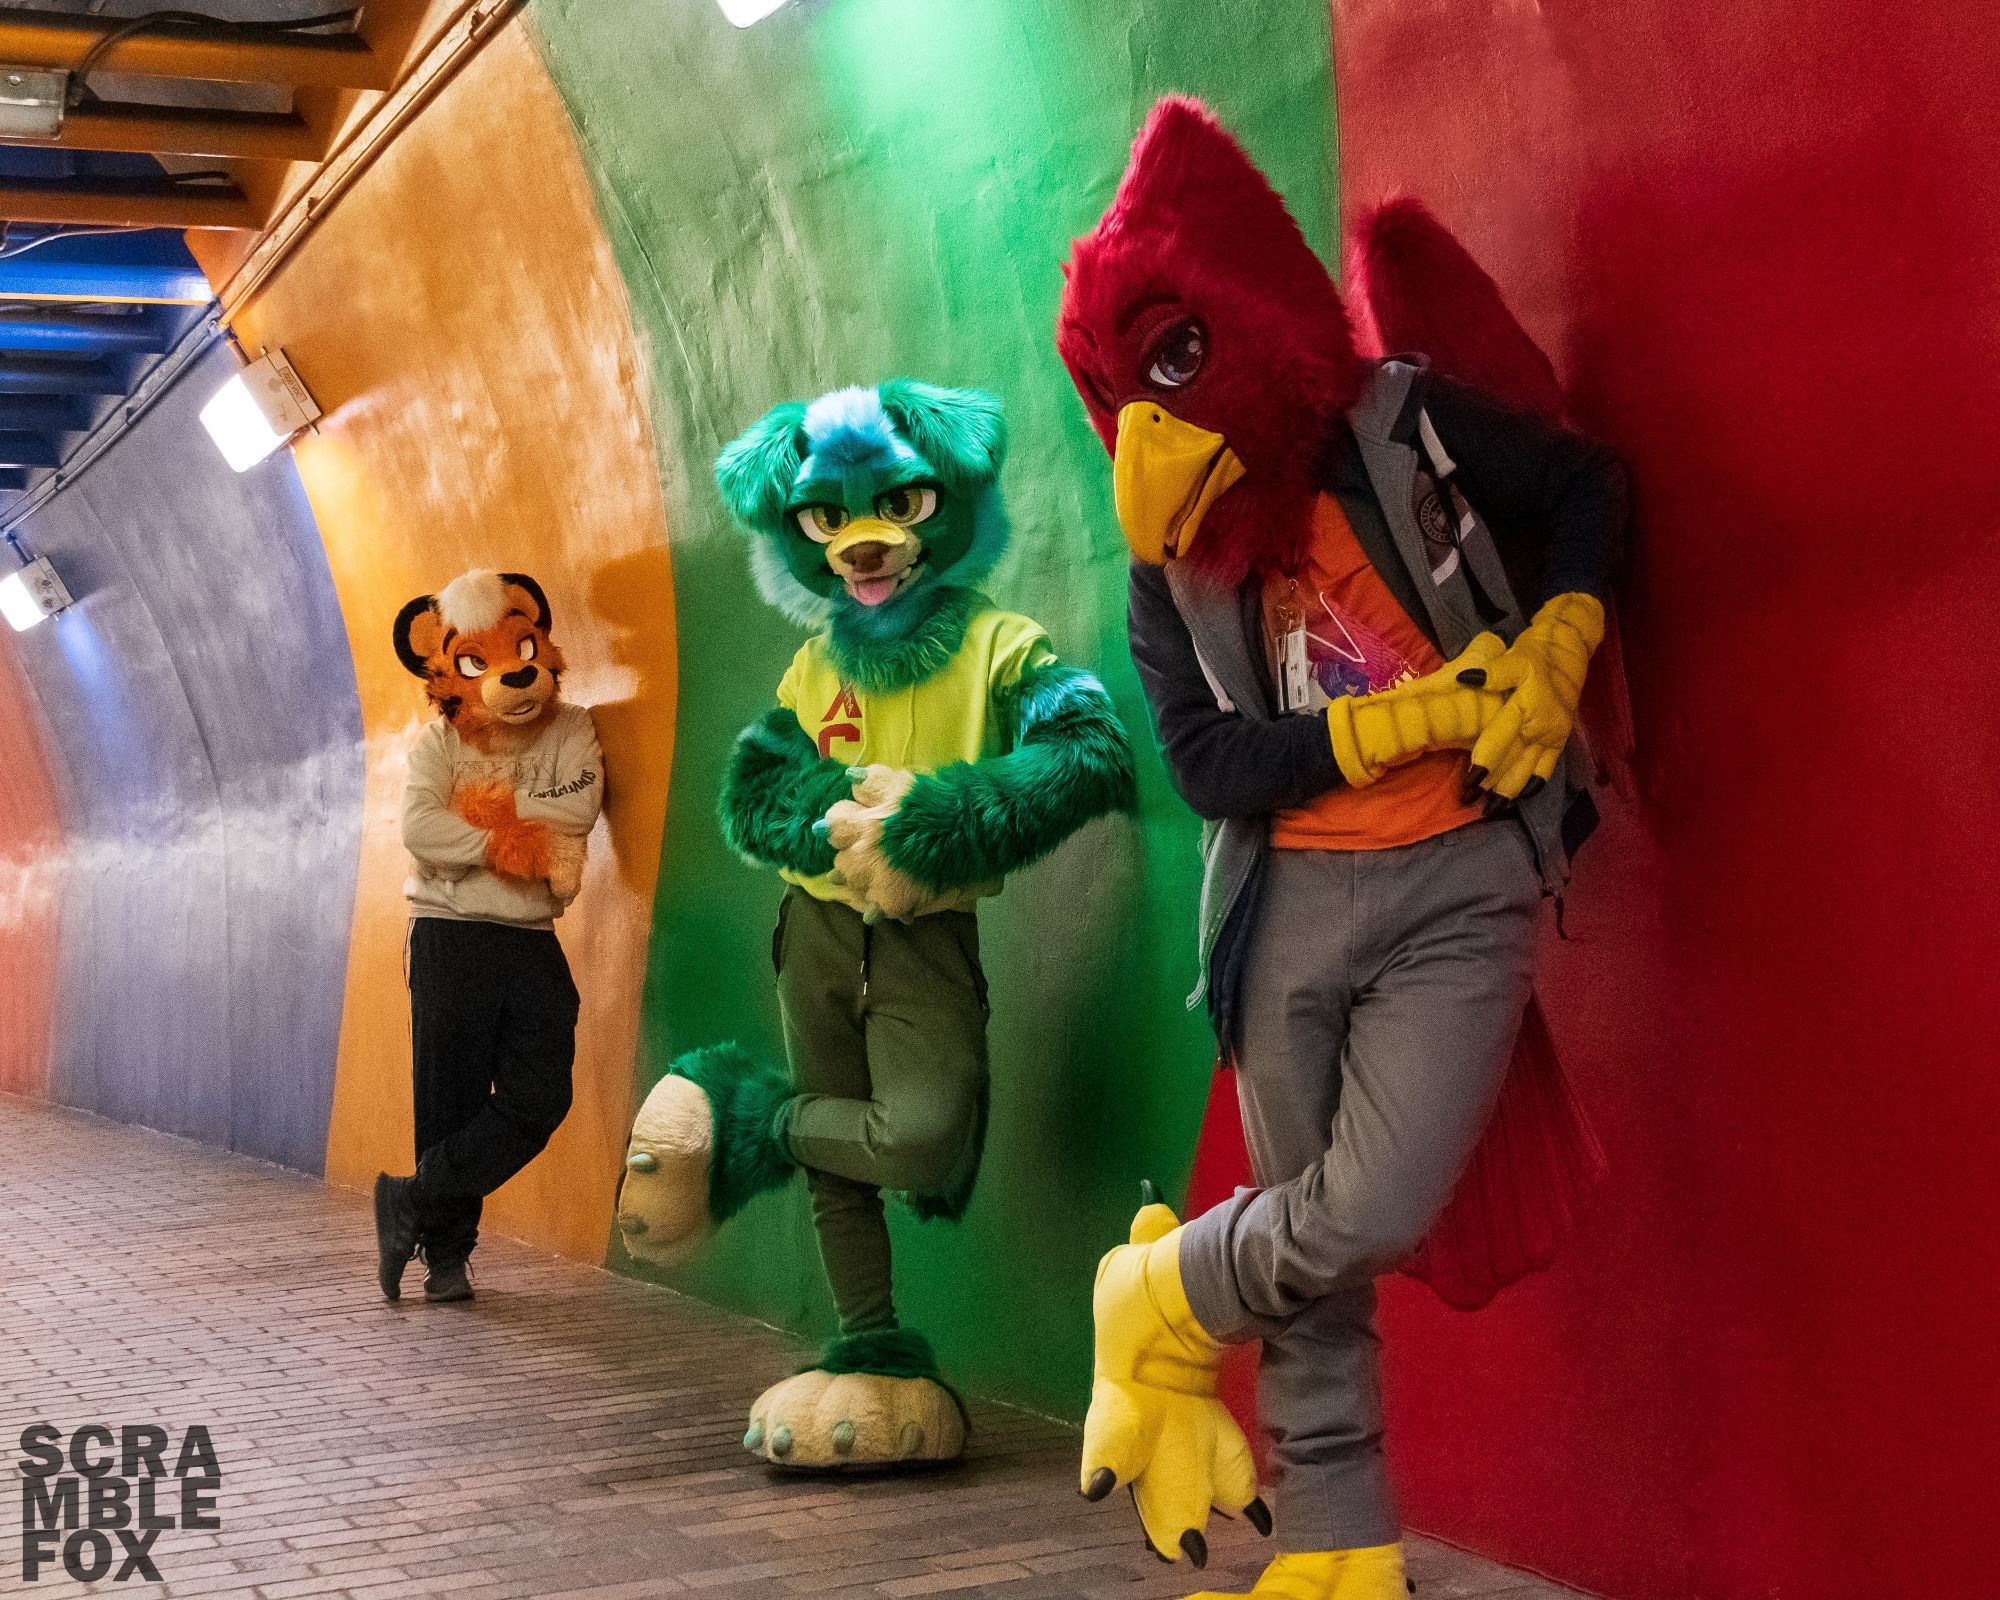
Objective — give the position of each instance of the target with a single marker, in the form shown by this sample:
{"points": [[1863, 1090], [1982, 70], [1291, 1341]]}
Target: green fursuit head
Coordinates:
{"points": [[917, 466], [875, 513]]}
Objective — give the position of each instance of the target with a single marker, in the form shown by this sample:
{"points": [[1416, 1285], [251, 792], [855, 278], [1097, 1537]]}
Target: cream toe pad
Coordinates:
{"points": [[663, 1198], [854, 1419]]}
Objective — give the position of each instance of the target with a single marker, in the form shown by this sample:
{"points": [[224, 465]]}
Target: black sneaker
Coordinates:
{"points": [[395, 1231], [447, 1281]]}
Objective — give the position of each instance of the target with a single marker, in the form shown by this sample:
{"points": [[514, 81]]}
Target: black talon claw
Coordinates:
{"points": [[1260, 1516], [1473, 677], [1102, 1482], [1535, 787], [1149, 1192], [1195, 1547], [1474, 778]]}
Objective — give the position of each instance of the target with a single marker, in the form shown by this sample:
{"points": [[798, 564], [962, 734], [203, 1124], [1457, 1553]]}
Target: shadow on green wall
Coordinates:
{"points": [[856, 189]]}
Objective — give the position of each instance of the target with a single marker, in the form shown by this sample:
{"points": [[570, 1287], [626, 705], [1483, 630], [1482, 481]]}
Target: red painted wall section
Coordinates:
{"points": [[31, 844], [1763, 245]]}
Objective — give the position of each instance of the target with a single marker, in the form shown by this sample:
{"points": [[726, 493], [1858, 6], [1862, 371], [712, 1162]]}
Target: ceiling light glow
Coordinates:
{"points": [[745, 12], [259, 409], [31, 594]]}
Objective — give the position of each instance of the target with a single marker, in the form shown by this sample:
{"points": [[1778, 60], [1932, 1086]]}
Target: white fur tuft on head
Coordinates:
{"points": [[473, 601]]}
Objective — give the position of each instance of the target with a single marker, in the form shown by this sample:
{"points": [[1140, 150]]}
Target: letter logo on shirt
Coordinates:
{"points": [[830, 732]]}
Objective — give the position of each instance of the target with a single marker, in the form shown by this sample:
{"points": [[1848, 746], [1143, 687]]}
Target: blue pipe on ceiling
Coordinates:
{"points": [[147, 264], [147, 332]]}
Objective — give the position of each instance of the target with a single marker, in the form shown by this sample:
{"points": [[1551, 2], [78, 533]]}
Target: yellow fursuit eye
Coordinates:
{"points": [[904, 506], [470, 666], [821, 523]]}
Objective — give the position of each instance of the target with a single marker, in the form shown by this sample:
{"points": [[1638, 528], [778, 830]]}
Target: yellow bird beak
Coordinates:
{"points": [[1165, 474]]}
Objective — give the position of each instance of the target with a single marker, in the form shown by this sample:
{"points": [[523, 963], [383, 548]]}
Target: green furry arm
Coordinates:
{"points": [[976, 821], [777, 785]]}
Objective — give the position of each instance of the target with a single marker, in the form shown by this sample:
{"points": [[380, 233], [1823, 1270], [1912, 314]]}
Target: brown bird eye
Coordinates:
{"points": [[1178, 355]]}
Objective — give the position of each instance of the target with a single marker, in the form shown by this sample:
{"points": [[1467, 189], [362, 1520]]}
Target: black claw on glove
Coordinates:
{"points": [[1260, 1516], [1473, 677], [1474, 777], [1534, 787], [1195, 1547], [1102, 1482]]}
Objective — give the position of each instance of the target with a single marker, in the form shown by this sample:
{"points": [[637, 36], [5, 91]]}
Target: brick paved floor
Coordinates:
{"points": [[570, 1436]]}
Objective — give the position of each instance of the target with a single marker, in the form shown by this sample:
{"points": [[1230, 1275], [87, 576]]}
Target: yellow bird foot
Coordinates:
{"points": [[1374, 1573]]}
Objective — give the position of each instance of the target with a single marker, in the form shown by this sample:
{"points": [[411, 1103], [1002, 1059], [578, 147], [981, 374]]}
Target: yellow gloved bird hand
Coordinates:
{"points": [[1542, 677], [1374, 1573], [1154, 1422], [1373, 732]]}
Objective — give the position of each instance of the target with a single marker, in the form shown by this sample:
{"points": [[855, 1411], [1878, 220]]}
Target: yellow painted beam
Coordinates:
{"points": [[40, 39], [174, 130], [223, 208]]}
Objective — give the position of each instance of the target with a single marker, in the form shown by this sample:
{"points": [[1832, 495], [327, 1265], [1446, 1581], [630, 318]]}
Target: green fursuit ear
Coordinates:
{"points": [[756, 469], [960, 432]]}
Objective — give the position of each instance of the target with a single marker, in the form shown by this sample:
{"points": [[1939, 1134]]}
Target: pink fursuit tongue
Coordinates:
{"points": [[872, 591]]}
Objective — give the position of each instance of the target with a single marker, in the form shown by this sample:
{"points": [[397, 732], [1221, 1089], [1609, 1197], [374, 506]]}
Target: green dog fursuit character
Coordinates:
{"points": [[924, 745]]}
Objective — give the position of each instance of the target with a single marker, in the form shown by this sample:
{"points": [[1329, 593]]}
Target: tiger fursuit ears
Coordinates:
{"points": [[482, 647]]}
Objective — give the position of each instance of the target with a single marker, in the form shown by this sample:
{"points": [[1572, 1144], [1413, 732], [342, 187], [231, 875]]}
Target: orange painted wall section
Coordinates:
{"points": [[460, 319], [31, 842]]}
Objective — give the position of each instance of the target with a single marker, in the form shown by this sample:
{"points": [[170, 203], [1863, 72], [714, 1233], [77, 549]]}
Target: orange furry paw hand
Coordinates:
{"points": [[489, 806], [519, 850]]}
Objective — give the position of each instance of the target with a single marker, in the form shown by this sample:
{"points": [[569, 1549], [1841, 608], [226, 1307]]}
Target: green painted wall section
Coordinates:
{"points": [[855, 189]]}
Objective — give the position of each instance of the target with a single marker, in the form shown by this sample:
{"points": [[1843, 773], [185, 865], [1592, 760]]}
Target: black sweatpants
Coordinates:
{"points": [[493, 1035]]}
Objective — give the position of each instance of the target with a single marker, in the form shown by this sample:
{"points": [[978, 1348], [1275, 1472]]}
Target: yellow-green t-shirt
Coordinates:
{"points": [[949, 716]]}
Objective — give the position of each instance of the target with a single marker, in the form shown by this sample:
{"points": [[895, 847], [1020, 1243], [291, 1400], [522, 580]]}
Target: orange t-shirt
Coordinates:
{"points": [[1358, 640]]}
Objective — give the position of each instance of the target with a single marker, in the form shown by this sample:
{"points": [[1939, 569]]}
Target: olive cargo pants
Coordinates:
{"points": [[885, 1030]]}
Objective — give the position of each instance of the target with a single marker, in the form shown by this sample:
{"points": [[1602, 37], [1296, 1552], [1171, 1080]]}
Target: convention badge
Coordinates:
{"points": [[1293, 670]]}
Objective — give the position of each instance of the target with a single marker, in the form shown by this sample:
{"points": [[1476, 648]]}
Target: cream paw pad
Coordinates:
{"points": [[829, 1417]]}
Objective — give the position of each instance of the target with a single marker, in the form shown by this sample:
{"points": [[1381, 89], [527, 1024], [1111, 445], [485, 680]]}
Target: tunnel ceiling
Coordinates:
{"points": [[169, 126]]}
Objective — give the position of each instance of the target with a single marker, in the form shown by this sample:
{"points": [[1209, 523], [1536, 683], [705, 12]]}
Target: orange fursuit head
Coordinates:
{"points": [[482, 647]]}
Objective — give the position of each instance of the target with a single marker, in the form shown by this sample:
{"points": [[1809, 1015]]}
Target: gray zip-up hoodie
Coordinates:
{"points": [[558, 779]]}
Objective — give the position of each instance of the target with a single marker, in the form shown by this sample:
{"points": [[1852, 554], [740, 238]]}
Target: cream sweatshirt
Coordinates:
{"points": [[558, 779]]}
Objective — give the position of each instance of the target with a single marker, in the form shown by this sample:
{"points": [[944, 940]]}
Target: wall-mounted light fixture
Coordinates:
{"points": [[31, 103], [32, 593], [258, 410], [745, 12]]}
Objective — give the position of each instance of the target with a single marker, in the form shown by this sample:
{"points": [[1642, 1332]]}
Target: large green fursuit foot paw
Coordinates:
{"points": [[703, 1146], [872, 1400]]}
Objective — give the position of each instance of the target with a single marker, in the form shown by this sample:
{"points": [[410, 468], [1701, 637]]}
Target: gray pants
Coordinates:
{"points": [[1381, 998]]}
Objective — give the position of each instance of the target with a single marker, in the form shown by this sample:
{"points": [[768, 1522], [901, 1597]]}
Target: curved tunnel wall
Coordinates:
{"points": [[199, 710], [31, 870], [200, 917], [841, 194], [460, 319], [1760, 242]]}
